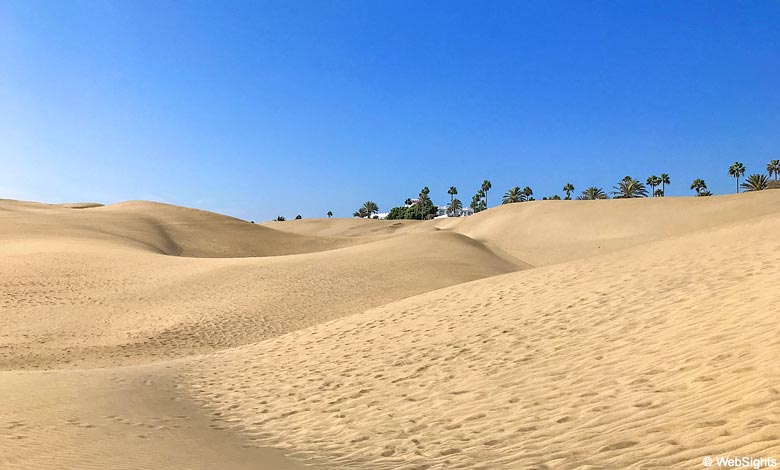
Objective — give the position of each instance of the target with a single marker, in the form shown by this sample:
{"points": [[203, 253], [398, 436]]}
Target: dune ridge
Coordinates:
{"points": [[577, 365], [553, 334]]}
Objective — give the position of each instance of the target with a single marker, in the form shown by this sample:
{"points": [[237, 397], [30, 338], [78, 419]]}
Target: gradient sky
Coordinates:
{"points": [[269, 108]]}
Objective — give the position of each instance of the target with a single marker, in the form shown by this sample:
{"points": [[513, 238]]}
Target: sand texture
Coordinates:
{"points": [[554, 334]]}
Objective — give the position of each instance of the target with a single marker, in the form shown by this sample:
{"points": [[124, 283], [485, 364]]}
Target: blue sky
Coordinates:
{"points": [[263, 108]]}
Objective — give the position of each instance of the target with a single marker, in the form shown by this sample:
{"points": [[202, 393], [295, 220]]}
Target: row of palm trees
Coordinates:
{"points": [[628, 187]]}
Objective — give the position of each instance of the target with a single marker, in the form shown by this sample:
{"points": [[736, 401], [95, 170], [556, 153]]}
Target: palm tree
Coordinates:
{"points": [[485, 188], [280, 219], [298, 217], [568, 188], [658, 193], [369, 208], [478, 201], [452, 192], [592, 193], [455, 206], [736, 170], [756, 182], [653, 181], [514, 195], [699, 186], [474, 201], [629, 188], [664, 181], [330, 214], [773, 168], [528, 192]]}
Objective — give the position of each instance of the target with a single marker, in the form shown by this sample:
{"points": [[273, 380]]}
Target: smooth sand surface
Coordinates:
{"points": [[554, 334]]}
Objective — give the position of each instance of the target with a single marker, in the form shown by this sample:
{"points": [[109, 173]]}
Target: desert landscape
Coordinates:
{"points": [[622, 333]]}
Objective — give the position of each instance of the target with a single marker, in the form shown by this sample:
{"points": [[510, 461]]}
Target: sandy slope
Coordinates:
{"points": [[648, 358], [131, 418], [156, 227], [347, 227], [92, 300], [645, 337], [548, 232]]}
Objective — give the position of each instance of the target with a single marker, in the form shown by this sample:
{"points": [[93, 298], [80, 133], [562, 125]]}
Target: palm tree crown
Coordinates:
{"points": [[330, 214], [756, 182], [653, 181], [568, 188], [592, 193], [486, 185], [514, 195], [736, 170], [369, 208], [455, 206], [664, 181], [773, 168], [699, 186], [629, 188], [452, 192]]}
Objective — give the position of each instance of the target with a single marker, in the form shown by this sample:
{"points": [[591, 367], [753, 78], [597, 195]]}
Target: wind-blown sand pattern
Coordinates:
{"points": [[555, 334]]}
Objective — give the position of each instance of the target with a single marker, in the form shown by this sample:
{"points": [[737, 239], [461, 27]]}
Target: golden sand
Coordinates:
{"points": [[553, 334]]}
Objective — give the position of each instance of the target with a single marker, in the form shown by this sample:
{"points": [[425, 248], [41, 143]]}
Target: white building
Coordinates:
{"points": [[442, 212]]}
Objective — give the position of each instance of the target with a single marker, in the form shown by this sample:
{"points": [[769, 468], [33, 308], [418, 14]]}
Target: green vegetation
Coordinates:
{"points": [[653, 181], [368, 209], [422, 209], [664, 181], [513, 195], [773, 168], [755, 182], [568, 188], [455, 207], [486, 185], [478, 202], [330, 214], [452, 192], [592, 193], [736, 170], [279, 219], [700, 187], [629, 188]]}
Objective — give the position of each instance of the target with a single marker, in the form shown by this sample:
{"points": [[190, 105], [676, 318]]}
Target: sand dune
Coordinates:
{"points": [[160, 228], [548, 232], [93, 300], [560, 334], [641, 358], [347, 227]]}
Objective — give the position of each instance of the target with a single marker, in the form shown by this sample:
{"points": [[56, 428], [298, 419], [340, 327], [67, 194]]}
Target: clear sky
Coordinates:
{"points": [[267, 108]]}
